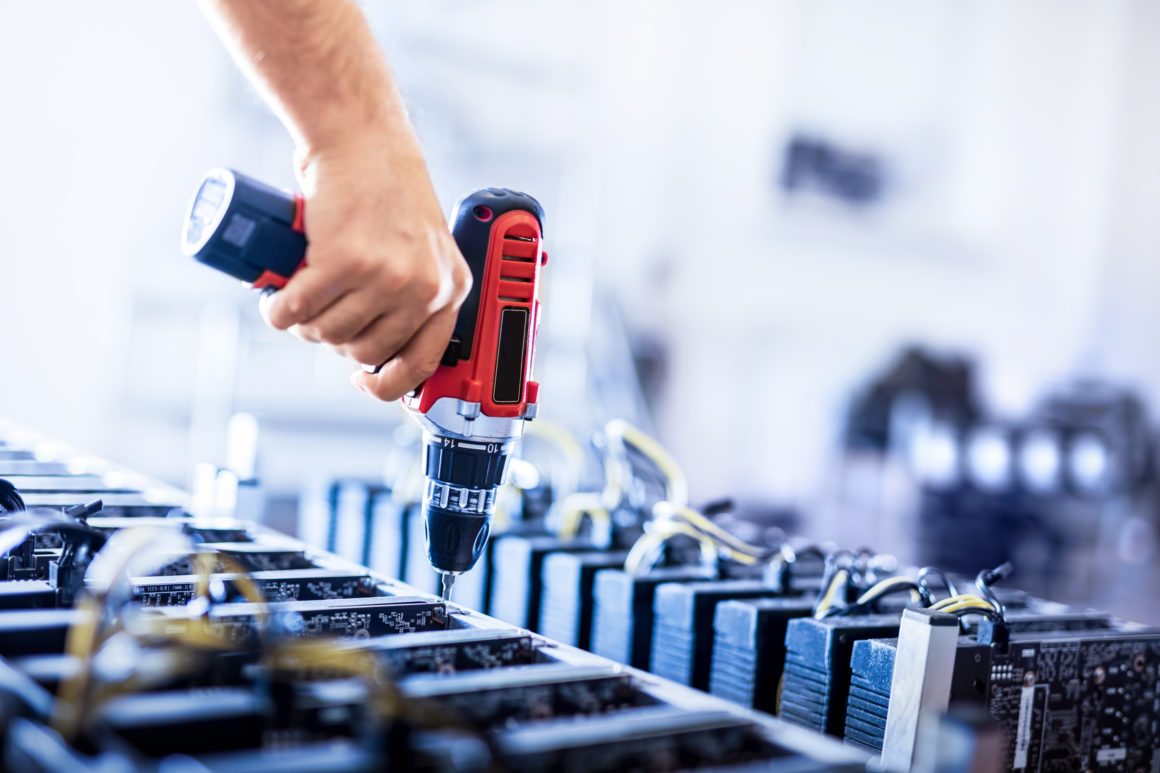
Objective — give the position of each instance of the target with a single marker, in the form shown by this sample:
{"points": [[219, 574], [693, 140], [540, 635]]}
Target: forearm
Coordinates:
{"points": [[319, 68]]}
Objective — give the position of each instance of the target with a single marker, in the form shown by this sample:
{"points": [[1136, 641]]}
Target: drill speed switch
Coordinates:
{"points": [[472, 409]]}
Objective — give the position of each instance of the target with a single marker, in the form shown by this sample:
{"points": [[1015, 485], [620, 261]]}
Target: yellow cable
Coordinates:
{"points": [[700, 522], [883, 585], [564, 442], [676, 486], [646, 550], [966, 605], [85, 636], [579, 505], [841, 577], [944, 603]]}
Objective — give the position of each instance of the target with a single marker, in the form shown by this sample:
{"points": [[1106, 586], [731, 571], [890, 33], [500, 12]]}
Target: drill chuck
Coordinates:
{"points": [[462, 478]]}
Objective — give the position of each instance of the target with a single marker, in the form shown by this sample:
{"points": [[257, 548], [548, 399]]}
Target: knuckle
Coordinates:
{"points": [[326, 333], [421, 368], [363, 264], [427, 289], [463, 274], [368, 352], [394, 276], [293, 308], [463, 280]]}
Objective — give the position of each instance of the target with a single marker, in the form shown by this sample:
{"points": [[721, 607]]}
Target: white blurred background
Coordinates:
{"points": [[999, 168]]}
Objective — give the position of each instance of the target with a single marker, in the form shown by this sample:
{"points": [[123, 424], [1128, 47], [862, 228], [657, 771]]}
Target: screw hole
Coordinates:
{"points": [[482, 213]]}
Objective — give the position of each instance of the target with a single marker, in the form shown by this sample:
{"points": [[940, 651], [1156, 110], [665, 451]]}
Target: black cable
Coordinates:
{"points": [[864, 605], [81, 512], [984, 580], [924, 589], [10, 499], [787, 557]]}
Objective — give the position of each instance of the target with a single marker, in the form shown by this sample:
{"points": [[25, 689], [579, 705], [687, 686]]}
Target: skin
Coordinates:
{"points": [[383, 279]]}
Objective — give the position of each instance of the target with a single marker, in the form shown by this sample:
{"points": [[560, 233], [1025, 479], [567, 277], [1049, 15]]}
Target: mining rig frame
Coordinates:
{"points": [[471, 692]]}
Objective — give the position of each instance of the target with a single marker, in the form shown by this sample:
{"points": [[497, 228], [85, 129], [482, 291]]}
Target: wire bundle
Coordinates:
{"points": [[959, 604], [597, 507]]}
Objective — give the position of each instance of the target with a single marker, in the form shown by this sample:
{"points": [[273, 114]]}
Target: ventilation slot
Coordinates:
{"points": [[520, 249], [517, 271]]}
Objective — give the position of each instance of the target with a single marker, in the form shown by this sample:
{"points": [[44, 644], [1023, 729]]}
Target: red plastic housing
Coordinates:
{"points": [[511, 278]]}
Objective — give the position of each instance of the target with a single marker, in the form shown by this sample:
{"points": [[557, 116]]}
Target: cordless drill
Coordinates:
{"points": [[473, 408]]}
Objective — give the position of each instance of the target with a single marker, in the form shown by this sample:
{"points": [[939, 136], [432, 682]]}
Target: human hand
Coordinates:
{"points": [[383, 279]]}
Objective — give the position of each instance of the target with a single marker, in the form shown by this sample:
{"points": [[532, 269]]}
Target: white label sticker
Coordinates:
{"points": [[1105, 756], [1023, 735]]}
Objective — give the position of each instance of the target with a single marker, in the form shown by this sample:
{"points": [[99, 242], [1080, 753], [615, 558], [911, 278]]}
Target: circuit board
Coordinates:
{"points": [[297, 585], [448, 652], [1079, 702], [524, 693], [358, 618]]}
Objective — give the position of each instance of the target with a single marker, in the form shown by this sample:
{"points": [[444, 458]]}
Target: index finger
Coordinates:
{"points": [[414, 363], [308, 293]]}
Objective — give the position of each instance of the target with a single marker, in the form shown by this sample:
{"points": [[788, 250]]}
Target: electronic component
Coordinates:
{"points": [[566, 596], [1063, 699], [650, 738], [253, 557], [133, 504], [211, 530], [518, 563], [682, 647], [445, 652], [816, 681], [297, 585], [749, 648], [35, 632], [493, 699], [622, 613], [27, 594], [358, 618], [1078, 700]]}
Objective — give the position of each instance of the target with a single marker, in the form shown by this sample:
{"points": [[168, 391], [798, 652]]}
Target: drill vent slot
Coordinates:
{"points": [[520, 249], [525, 279]]}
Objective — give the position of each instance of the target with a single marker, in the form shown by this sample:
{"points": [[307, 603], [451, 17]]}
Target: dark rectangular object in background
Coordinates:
{"points": [[816, 684], [296, 585], [749, 649], [682, 645], [517, 571], [444, 652], [622, 611], [566, 598]]}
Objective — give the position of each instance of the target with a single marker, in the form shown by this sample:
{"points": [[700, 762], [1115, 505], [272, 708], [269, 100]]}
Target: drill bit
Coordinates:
{"points": [[448, 581]]}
